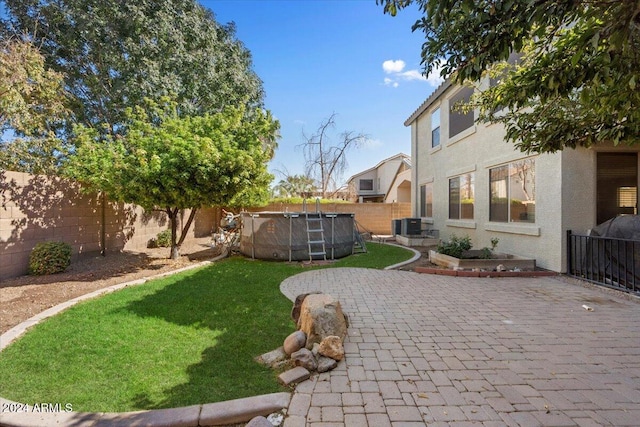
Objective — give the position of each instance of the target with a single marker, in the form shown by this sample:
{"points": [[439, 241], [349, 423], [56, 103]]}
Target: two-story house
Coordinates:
{"points": [[466, 180]]}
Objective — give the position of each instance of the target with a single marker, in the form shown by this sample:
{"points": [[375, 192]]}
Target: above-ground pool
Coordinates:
{"points": [[283, 235]]}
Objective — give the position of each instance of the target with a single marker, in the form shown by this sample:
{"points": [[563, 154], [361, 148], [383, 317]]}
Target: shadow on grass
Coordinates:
{"points": [[240, 298]]}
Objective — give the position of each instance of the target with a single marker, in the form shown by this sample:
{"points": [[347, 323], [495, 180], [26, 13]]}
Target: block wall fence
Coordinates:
{"points": [[36, 208], [371, 217]]}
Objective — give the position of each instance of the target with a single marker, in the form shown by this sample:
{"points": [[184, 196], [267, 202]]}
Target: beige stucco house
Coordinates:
{"points": [[466, 180], [387, 182]]}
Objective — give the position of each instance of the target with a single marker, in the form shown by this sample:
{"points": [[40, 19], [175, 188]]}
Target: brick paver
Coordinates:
{"points": [[439, 350]]}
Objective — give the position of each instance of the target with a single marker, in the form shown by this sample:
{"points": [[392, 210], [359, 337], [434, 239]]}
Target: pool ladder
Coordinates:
{"points": [[315, 233]]}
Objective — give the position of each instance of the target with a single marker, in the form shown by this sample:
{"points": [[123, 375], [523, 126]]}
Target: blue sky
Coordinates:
{"points": [[316, 57]]}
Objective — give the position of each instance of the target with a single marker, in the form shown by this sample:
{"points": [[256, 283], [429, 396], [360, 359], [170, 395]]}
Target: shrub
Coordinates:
{"points": [[163, 239], [455, 246], [49, 258]]}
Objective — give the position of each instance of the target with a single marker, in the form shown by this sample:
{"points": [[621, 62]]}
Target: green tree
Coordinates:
{"points": [[32, 106], [167, 162], [114, 54], [295, 186], [576, 84]]}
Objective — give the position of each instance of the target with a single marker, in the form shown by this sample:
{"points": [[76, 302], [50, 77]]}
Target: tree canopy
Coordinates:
{"points": [[32, 106], [114, 54], [576, 83], [167, 162]]}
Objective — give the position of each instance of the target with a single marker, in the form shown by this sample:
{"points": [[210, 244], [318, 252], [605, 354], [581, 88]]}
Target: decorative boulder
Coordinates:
{"points": [[332, 347], [294, 342], [304, 358], [326, 364], [295, 311], [321, 316]]}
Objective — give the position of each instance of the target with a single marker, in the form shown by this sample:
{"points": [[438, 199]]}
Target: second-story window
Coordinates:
{"points": [[435, 128], [366, 185]]}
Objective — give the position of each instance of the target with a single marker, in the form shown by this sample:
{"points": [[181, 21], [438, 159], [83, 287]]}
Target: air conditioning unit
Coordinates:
{"points": [[396, 227], [411, 227]]}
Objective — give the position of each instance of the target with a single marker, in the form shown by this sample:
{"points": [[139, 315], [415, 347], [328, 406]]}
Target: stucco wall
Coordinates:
{"points": [[477, 150], [36, 208]]}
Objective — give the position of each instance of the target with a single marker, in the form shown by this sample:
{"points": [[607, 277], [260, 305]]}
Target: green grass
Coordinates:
{"points": [[182, 340]]}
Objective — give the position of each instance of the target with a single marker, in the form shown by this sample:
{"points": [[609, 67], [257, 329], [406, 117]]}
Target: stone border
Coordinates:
{"points": [[467, 273], [219, 413]]}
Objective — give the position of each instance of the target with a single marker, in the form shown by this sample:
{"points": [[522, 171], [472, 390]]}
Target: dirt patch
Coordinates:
{"points": [[26, 296]]}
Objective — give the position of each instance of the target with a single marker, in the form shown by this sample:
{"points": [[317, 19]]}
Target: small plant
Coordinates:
{"points": [[485, 253], [163, 239], [49, 258], [494, 243], [455, 246]]}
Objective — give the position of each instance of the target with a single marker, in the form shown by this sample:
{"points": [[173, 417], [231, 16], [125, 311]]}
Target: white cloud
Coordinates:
{"points": [[396, 73], [412, 75], [390, 82], [390, 66]]}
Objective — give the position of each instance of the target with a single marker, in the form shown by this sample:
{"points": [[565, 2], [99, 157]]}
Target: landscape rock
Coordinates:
{"points": [[295, 311], [315, 348], [304, 358], [501, 267], [321, 316], [276, 419], [272, 358], [332, 347], [326, 364], [259, 421], [294, 376], [294, 342]]}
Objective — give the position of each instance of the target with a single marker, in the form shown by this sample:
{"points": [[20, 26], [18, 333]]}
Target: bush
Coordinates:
{"points": [[163, 239], [49, 258], [455, 247]]}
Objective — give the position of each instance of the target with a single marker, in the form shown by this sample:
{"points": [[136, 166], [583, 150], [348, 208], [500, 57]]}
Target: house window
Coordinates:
{"points": [[426, 200], [461, 197], [513, 192], [366, 185], [459, 120], [435, 128]]}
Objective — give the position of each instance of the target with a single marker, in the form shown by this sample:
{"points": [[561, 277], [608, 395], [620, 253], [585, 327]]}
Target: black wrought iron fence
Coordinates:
{"points": [[606, 261]]}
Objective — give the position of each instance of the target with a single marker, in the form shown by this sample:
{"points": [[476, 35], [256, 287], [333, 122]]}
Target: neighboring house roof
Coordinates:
{"points": [[428, 102], [405, 158]]}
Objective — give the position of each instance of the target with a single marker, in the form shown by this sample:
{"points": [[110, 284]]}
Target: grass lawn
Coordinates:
{"points": [[182, 340]]}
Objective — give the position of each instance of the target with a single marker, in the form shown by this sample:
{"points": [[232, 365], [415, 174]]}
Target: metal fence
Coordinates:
{"points": [[606, 261]]}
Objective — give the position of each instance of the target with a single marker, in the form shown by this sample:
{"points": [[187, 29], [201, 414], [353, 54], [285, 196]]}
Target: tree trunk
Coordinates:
{"points": [[173, 218]]}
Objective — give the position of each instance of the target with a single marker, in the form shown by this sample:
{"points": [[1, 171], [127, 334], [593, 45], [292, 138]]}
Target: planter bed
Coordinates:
{"points": [[467, 273], [508, 261]]}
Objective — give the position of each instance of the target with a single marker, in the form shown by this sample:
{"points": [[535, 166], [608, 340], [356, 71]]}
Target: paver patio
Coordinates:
{"points": [[438, 350]]}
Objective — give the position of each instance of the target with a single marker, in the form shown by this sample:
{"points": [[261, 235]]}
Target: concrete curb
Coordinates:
{"points": [[209, 414], [416, 256]]}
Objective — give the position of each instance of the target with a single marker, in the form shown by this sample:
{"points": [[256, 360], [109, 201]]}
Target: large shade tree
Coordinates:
{"points": [[32, 107], [169, 163], [576, 83], [114, 54]]}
